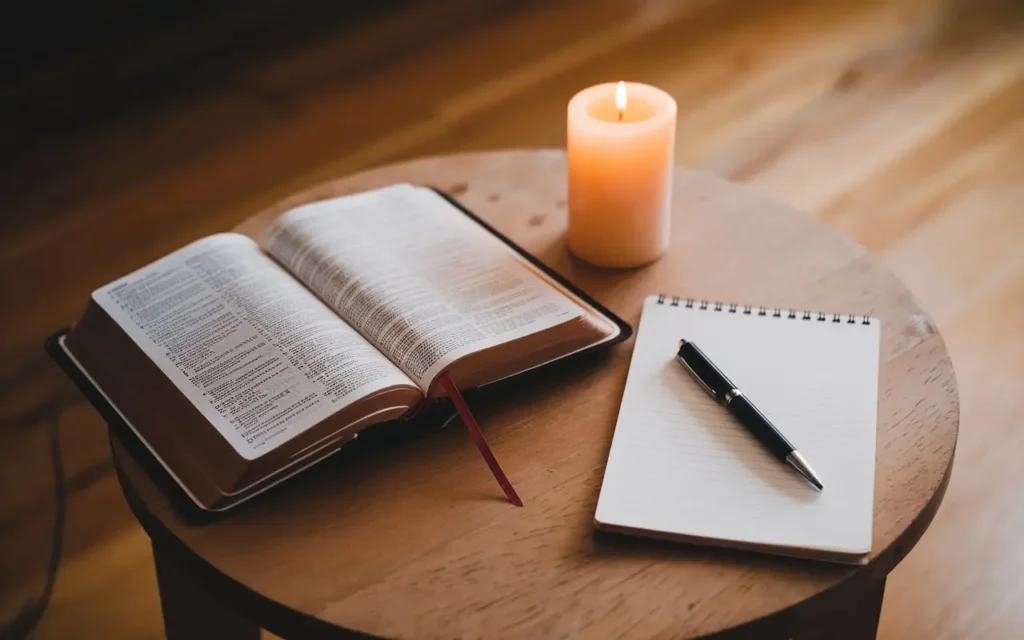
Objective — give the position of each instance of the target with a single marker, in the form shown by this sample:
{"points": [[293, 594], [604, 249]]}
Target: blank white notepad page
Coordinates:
{"points": [[681, 465]]}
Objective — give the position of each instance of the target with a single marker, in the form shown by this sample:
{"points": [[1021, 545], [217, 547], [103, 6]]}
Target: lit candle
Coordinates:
{"points": [[621, 139]]}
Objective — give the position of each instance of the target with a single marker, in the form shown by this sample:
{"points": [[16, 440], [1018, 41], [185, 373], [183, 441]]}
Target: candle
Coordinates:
{"points": [[621, 140]]}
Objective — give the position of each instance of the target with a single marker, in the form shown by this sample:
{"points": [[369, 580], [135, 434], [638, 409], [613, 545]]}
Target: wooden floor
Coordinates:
{"points": [[900, 122]]}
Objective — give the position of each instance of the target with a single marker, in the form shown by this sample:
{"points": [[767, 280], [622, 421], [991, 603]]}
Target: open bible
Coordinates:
{"points": [[238, 361]]}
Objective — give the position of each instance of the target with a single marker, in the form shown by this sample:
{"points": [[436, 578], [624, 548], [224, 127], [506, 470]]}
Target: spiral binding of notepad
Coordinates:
{"points": [[755, 310]]}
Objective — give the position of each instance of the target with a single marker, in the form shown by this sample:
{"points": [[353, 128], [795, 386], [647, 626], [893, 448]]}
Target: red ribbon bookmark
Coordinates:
{"points": [[478, 437]]}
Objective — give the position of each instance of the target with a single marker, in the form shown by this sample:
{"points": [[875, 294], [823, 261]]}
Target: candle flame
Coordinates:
{"points": [[620, 98]]}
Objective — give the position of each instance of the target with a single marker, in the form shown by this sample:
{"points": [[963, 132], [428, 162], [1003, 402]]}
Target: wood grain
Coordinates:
{"points": [[371, 544], [898, 121]]}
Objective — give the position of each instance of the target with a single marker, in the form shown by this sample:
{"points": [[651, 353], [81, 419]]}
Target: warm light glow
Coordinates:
{"points": [[620, 98]]}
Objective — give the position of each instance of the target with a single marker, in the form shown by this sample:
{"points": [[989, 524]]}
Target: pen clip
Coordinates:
{"points": [[711, 392]]}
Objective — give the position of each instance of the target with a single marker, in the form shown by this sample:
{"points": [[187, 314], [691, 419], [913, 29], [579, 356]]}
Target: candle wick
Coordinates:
{"points": [[620, 115]]}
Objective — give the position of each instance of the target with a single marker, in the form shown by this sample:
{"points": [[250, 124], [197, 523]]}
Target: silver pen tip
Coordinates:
{"points": [[797, 462]]}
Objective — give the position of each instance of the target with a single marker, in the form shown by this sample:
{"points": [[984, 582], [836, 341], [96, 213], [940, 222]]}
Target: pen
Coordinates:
{"points": [[725, 393]]}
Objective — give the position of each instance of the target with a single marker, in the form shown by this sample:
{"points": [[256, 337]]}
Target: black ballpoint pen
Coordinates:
{"points": [[725, 393]]}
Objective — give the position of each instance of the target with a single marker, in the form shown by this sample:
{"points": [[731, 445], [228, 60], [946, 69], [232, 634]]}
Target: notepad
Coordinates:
{"points": [[681, 467]]}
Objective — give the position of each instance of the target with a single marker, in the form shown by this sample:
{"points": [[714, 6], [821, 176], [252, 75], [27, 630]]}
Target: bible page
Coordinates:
{"points": [[417, 277], [261, 357]]}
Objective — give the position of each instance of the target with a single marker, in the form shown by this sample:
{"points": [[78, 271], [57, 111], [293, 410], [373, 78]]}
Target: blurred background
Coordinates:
{"points": [[132, 128]]}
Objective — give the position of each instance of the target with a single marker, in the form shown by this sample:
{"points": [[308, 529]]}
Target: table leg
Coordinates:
{"points": [[855, 619], [189, 611]]}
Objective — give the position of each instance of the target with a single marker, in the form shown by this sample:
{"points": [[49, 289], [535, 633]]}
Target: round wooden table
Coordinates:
{"points": [[409, 536]]}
